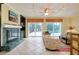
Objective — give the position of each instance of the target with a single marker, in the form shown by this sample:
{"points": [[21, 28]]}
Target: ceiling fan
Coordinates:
{"points": [[47, 11]]}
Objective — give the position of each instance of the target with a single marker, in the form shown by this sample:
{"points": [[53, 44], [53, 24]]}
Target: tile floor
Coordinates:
{"points": [[32, 46]]}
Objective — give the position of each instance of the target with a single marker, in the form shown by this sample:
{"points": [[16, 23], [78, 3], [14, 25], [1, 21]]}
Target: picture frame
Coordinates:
{"points": [[13, 16]]}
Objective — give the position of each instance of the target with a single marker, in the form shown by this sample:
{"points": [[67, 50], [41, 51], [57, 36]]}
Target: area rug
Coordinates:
{"points": [[64, 49], [60, 50], [61, 47]]}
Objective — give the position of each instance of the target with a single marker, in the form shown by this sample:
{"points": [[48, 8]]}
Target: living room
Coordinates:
{"points": [[44, 17]]}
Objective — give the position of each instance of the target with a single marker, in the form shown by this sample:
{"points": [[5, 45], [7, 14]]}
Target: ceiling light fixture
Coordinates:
{"points": [[46, 12]]}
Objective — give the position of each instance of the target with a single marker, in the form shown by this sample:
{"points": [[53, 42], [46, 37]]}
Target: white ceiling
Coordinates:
{"points": [[55, 9]]}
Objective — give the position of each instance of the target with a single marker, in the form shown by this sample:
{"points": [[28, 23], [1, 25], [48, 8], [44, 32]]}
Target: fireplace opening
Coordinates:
{"points": [[12, 34]]}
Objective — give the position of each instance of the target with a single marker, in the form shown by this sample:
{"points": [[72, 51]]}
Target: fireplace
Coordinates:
{"points": [[12, 34]]}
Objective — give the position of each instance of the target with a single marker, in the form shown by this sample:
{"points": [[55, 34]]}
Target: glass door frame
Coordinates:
{"points": [[35, 30], [29, 28], [53, 27]]}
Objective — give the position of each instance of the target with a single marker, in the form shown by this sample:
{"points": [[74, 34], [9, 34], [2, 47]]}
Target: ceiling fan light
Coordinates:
{"points": [[46, 14], [46, 10]]}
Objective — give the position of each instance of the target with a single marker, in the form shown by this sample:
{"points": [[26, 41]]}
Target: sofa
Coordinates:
{"points": [[49, 42]]}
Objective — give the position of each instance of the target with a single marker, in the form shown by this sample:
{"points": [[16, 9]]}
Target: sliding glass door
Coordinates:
{"points": [[54, 28], [34, 29], [31, 29], [38, 29]]}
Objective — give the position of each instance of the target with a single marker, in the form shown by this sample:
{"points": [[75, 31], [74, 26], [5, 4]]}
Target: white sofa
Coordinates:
{"points": [[50, 43]]}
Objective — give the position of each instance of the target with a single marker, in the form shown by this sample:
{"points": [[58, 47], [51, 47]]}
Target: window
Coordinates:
{"points": [[54, 28]]}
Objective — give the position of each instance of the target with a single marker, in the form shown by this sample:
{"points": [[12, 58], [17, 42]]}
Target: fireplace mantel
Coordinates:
{"points": [[11, 26]]}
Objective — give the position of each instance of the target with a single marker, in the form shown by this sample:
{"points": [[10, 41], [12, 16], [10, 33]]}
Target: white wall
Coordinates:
{"points": [[75, 22], [5, 18], [67, 21], [70, 21], [5, 15]]}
